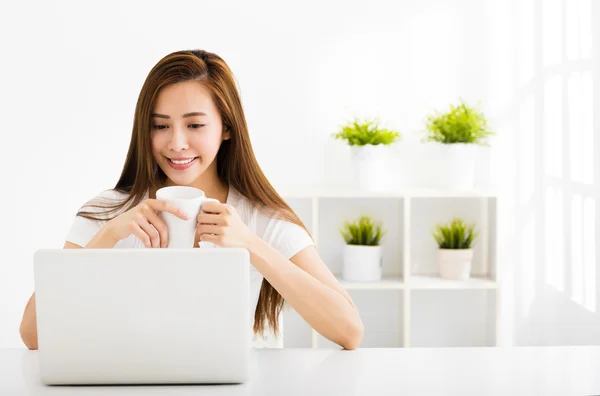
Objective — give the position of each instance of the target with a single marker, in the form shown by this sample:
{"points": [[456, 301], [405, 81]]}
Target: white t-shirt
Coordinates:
{"points": [[286, 237]]}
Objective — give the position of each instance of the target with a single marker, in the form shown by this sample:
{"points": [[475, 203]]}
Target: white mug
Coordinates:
{"points": [[190, 199]]}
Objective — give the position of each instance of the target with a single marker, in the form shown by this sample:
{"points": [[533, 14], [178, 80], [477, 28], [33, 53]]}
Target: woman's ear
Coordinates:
{"points": [[226, 134]]}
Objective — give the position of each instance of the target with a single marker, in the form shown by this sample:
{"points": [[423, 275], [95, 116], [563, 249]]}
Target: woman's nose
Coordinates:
{"points": [[178, 140]]}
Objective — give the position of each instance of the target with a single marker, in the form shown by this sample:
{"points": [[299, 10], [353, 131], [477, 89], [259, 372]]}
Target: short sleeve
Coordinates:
{"points": [[286, 237], [82, 229]]}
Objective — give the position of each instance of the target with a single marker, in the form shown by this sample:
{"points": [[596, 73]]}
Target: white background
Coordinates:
{"points": [[70, 74]]}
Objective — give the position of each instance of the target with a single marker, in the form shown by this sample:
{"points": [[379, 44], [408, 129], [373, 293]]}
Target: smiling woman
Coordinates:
{"points": [[198, 134], [189, 129]]}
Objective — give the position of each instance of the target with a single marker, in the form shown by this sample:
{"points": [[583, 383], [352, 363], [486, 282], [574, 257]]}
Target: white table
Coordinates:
{"points": [[433, 371]]}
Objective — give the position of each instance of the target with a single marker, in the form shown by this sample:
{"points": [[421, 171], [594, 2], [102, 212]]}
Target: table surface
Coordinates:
{"points": [[573, 370]]}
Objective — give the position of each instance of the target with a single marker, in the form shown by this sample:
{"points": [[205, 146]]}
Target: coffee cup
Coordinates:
{"points": [[190, 199]]}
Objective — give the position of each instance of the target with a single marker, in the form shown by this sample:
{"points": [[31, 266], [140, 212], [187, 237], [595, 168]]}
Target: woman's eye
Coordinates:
{"points": [[159, 127], [197, 126]]}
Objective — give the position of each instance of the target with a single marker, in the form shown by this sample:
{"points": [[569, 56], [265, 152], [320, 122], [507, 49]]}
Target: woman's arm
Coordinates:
{"points": [[304, 281], [28, 328], [310, 288]]}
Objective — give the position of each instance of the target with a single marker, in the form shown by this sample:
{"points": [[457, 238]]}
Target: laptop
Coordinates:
{"points": [[143, 316]]}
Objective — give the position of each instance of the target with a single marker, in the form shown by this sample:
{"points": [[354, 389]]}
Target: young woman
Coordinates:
{"points": [[189, 129]]}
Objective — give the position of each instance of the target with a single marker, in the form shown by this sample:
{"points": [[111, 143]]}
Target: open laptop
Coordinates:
{"points": [[143, 316]]}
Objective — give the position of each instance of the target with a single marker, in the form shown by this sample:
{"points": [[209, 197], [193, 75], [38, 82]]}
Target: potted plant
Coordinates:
{"points": [[368, 143], [455, 253], [456, 133], [362, 253]]}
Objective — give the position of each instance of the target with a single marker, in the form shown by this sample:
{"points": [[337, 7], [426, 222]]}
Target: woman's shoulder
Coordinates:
{"points": [[93, 214], [247, 209], [271, 225]]}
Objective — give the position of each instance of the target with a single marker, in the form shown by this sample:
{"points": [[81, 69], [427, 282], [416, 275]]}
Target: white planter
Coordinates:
{"points": [[452, 166], [454, 264], [370, 169], [362, 263]]}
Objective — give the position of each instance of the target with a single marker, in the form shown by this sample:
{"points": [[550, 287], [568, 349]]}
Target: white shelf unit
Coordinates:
{"points": [[411, 306]]}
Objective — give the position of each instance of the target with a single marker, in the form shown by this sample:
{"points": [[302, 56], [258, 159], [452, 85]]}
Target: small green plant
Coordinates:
{"points": [[364, 231], [358, 133], [456, 234], [461, 124]]}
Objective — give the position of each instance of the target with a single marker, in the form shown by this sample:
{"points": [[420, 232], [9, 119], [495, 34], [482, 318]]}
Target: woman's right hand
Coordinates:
{"points": [[143, 221]]}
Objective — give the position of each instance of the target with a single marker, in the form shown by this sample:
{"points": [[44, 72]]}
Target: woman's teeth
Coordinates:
{"points": [[187, 161]]}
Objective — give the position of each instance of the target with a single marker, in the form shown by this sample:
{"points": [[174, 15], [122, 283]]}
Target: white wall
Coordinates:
{"points": [[71, 72]]}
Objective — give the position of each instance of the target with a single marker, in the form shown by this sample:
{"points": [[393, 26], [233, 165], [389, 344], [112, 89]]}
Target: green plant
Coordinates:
{"points": [[358, 133], [364, 231], [461, 124], [456, 234]]}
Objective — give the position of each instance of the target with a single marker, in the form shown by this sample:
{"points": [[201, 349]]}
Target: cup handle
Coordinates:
{"points": [[203, 244]]}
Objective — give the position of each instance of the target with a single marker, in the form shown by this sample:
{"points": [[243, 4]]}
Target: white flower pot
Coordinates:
{"points": [[454, 264], [362, 263], [370, 167], [452, 166]]}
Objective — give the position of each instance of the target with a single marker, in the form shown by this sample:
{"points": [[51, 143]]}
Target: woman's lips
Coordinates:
{"points": [[181, 164]]}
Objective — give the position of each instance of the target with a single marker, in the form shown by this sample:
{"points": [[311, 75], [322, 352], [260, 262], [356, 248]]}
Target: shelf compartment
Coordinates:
{"points": [[332, 214], [432, 211], [453, 318]]}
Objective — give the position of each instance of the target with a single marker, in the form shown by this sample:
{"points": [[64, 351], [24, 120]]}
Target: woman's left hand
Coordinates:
{"points": [[220, 224]]}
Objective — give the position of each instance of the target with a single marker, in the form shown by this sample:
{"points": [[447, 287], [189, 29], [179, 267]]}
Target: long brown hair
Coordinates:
{"points": [[236, 163]]}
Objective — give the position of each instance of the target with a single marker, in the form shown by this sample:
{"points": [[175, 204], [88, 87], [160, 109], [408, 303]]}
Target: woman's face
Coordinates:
{"points": [[186, 132]]}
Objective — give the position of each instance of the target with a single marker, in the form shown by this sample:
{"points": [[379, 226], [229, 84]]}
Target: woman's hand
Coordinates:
{"points": [[143, 222], [220, 224]]}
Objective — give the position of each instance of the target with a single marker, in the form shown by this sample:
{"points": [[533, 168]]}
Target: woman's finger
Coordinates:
{"points": [[140, 233], [166, 206], [160, 226], [208, 218], [209, 229], [212, 206], [151, 231]]}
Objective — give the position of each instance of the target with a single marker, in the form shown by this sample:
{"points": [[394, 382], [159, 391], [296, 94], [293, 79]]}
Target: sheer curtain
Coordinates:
{"points": [[547, 167]]}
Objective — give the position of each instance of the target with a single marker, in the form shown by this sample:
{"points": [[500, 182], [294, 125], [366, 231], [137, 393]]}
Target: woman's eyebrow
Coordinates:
{"points": [[194, 113]]}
